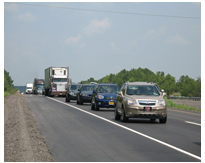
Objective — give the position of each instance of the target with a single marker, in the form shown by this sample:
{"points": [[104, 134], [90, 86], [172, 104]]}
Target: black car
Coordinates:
{"points": [[72, 92], [104, 96], [84, 93]]}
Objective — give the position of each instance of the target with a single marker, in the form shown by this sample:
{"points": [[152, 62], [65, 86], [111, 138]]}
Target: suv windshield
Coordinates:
{"points": [[142, 90], [87, 88], [74, 87], [60, 80], [108, 89]]}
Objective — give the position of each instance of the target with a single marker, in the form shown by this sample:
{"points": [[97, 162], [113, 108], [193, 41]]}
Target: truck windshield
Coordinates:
{"points": [[39, 86], [60, 80], [29, 88]]}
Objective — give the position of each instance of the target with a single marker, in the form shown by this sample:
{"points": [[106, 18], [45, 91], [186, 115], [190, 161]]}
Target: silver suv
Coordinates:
{"points": [[140, 100]]}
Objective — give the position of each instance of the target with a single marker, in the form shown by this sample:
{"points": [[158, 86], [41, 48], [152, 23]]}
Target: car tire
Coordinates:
{"points": [[123, 117], [80, 101], [96, 106], [77, 102], [92, 105], [164, 120], [116, 114]]}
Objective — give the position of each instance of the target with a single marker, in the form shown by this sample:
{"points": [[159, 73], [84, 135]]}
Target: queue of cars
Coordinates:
{"points": [[132, 100]]}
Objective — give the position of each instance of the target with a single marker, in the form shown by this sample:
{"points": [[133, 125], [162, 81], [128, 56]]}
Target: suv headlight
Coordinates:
{"points": [[71, 93], [83, 94], [131, 102], [100, 97], [162, 102]]}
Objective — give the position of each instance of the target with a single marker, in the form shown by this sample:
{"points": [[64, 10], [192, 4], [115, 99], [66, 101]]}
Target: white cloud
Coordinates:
{"points": [[155, 33], [177, 39], [27, 17], [97, 26], [73, 40]]}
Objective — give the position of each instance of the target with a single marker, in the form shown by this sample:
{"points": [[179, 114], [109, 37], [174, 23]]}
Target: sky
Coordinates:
{"points": [[96, 44]]}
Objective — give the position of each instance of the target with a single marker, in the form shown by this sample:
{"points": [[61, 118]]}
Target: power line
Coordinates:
{"points": [[114, 12]]}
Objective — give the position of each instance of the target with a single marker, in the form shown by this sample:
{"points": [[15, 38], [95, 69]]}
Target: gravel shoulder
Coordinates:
{"points": [[22, 139]]}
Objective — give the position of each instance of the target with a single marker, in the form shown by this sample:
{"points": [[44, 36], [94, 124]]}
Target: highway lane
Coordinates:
{"points": [[73, 135]]}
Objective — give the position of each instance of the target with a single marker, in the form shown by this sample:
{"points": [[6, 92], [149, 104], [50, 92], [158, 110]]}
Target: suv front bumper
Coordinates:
{"points": [[156, 112]]}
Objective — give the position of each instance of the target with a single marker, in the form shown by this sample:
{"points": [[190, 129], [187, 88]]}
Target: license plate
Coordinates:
{"points": [[147, 109], [111, 103]]}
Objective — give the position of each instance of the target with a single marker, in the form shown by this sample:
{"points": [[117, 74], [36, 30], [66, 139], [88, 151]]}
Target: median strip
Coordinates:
{"points": [[129, 129]]}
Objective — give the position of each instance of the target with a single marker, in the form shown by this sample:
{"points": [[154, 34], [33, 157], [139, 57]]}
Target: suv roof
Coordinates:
{"points": [[106, 84]]}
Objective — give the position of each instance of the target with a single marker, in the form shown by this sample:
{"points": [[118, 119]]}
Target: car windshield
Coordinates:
{"points": [[60, 80], [74, 87], [87, 88], [142, 90], [108, 89]]}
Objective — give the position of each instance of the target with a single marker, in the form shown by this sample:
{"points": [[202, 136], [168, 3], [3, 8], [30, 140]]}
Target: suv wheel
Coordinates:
{"points": [[117, 115], [123, 117], [77, 100], [163, 120]]}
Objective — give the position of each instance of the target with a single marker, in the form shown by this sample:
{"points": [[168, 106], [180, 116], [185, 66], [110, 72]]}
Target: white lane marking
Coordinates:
{"points": [[193, 123], [129, 129]]}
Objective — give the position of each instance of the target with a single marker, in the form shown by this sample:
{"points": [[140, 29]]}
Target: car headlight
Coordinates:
{"points": [[100, 97], [71, 93], [131, 102], [83, 94], [162, 102]]}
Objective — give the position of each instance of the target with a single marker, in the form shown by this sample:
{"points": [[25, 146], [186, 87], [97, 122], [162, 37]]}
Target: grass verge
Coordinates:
{"points": [[171, 104], [11, 92]]}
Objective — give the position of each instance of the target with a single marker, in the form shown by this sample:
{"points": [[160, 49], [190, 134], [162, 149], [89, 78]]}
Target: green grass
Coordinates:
{"points": [[11, 92], [171, 104]]}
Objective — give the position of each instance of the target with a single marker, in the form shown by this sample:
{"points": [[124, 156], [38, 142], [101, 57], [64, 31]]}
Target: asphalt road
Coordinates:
{"points": [[75, 133]]}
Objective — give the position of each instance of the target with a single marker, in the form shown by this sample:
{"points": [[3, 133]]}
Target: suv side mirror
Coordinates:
{"points": [[119, 93]]}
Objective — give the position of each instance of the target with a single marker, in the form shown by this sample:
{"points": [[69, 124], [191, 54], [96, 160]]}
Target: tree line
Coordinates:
{"points": [[185, 86], [8, 82]]}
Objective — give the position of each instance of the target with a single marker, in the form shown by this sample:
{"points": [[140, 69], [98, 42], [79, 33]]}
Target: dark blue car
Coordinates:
{"points": [[104, 96]]}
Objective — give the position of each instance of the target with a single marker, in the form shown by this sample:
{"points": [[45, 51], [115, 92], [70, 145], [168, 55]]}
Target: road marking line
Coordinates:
{"points": [[193, 123], [129, 129]]}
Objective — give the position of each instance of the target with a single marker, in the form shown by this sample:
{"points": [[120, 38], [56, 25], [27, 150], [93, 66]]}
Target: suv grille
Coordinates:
{"points": [[147, 103]]}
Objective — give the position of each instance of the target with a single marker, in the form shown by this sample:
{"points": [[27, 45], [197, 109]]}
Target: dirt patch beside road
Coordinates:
{"points": [[22, 139]]}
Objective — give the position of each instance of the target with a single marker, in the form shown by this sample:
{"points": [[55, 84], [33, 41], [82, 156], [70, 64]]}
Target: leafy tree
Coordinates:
{"points": [[8, 82]]}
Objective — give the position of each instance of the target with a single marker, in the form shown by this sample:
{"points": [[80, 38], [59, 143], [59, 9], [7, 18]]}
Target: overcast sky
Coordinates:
{"points": [[95, 44]]}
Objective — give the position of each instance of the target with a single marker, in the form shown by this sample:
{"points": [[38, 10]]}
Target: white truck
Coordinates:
{"points": [[29, 88], [56, 81]]}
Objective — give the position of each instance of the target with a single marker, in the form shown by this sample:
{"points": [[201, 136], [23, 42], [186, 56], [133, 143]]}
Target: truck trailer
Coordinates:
{"points": [[29, 88], [38, 86], [56, 81]]}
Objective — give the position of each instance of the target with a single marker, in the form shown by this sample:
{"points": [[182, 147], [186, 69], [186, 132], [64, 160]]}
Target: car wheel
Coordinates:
{"points": [[96, 106], [163, 120], [80, 101], [92, 104], [123, 117], [77, 100], [117, 115]]}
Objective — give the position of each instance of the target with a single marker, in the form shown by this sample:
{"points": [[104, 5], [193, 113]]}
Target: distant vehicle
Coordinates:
{"points": [[71, 92], [38, 86], [29, 88], [84, 93], [104, 96], [56, 81], [140, 100]]}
